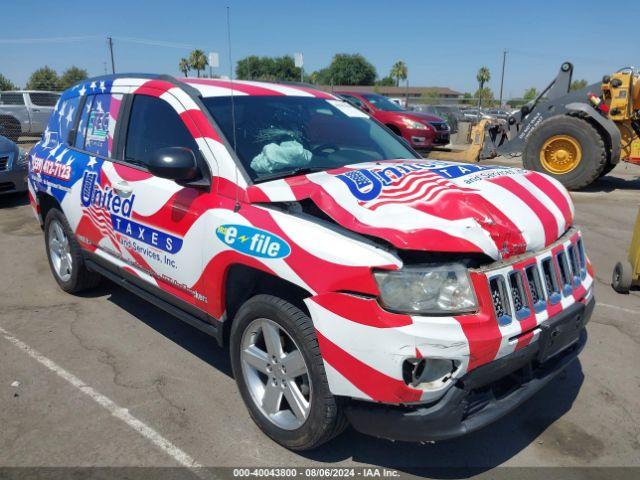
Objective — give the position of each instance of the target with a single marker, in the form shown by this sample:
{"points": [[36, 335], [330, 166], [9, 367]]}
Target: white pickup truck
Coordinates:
{"points": [[25, 112]]}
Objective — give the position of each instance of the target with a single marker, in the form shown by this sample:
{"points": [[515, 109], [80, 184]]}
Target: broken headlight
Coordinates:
{"points": [[438, 289]]}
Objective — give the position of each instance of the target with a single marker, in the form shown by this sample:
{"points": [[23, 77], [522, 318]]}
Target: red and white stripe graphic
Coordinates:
{"points": [[102, 221], [421, 186]]}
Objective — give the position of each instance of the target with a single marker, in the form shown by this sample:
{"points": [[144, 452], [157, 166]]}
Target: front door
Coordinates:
{"points": [[160, 232]]}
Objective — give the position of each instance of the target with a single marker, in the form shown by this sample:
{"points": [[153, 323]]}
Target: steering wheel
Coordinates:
{"points": [[324, 147]]}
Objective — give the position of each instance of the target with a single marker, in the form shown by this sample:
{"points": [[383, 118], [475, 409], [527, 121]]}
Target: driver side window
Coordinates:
{"points": [[154, 124]]}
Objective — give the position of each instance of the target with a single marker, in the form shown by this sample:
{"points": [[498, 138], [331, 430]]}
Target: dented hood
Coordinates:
{"points": [[435, 206]]}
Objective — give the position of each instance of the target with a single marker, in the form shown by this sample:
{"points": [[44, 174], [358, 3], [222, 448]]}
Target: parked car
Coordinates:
{"points": [[498, 113], [13, 167], [26, 112], [421, 130], [353, 280], [449, 113], [473, 115]]}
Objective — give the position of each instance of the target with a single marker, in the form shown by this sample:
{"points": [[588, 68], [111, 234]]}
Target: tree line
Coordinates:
{"points": [[47, 78]]}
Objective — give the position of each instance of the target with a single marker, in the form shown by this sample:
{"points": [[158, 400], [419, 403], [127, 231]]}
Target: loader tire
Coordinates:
{"points": [[607, 169], [567, 148]]}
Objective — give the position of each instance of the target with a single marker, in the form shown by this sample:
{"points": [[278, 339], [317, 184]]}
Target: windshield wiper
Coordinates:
{"points": [[292, 173]]}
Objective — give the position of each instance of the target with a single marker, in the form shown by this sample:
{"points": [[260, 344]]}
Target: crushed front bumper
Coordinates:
{"points": [[485, 394]]}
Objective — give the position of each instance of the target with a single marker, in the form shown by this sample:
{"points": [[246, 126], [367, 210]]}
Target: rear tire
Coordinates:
{"points": [[593, 151], [65, 255], [622, 277], [324, 418]]}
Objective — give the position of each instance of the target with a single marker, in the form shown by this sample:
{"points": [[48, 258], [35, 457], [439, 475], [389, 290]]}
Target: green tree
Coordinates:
{"points": [[484, 95], [399, 71], [71, 76], [184, 66], [198, 60], [577, 85], [483, 76], [321, 77], [268, 68], [6, 84], [387, 81], [351, 69], [44, 78], [530, 94]]}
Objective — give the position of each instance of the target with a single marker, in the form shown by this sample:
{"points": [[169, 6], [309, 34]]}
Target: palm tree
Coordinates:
{"points": [[198, 60], [483, 76], [184, 66], [399, 71]]}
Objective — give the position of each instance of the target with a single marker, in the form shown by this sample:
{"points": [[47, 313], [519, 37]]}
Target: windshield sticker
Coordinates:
{"points": [[348, 109], [98, 128], [253, 241]]}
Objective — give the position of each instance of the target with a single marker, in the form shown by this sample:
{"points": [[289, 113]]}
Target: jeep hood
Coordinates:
{"points": [[435, 206]]}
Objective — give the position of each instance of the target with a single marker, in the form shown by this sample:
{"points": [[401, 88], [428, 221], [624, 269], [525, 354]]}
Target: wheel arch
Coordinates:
{"points": [[604, 126], [46, 203], [241, 282]]}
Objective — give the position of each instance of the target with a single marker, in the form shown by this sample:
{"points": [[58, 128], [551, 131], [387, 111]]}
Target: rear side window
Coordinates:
{"points": [[154, 124], [61, 121], [11, 99], [97, 124], [44, 99]]}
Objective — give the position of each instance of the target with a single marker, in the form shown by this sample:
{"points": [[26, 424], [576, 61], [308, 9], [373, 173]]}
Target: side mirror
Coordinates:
{"points": [[174, 163]]}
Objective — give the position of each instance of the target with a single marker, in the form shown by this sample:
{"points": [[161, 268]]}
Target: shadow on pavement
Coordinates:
{"points": [[609, 184], [191, 339], [469, 455], [459, 458]]}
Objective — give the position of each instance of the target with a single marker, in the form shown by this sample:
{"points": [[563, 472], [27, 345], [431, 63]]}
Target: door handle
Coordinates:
{"points": [[123, 189]]}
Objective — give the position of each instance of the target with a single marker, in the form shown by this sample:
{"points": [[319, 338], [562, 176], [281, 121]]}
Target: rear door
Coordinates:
{"points": [[41, 105]]}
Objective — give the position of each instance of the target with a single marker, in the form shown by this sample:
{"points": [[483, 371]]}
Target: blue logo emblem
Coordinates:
{"points": [[253, 241]]}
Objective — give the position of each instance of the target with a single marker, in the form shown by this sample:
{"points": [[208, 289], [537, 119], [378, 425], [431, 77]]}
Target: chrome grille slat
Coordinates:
{"points": [[515, 293]]}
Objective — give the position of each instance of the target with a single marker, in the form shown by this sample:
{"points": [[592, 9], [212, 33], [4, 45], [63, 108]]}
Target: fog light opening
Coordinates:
{"points": [[428, 373]]}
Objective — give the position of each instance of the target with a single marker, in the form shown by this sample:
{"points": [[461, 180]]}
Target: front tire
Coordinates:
{"points": [[568, 149], [279, 370], [65, 255]]}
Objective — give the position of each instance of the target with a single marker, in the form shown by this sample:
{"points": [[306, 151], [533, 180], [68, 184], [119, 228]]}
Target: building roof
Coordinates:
{"points": [[393, 91]]}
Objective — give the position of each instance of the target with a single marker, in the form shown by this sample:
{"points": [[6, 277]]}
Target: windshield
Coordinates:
{"points": [[382, 103], [277, 136]]}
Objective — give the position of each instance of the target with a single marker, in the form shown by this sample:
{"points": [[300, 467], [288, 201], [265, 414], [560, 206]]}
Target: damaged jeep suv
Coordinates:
{"points": [[354, 281]]}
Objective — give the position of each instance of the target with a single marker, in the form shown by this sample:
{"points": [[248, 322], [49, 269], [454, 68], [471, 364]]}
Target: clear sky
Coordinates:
{"points": [[443, 43]]}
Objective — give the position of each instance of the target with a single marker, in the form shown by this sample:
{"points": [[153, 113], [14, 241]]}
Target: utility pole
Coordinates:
{"points": [[504, 61], [113, 65]]}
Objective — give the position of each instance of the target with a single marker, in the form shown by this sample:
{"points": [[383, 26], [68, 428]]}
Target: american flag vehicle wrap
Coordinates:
{"points": [[173, 236]]}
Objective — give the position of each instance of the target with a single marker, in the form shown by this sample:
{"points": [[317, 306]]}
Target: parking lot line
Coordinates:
{"points": [[121, 413]]}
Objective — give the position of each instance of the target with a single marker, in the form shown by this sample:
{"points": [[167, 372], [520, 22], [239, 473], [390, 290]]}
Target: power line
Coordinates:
{"points": [[48, 39]]}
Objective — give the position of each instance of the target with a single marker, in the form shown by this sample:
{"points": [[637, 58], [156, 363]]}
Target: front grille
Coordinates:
{"points": [[440, 126], [500, 298], [515, 293], [4, 163], [538, 296]]}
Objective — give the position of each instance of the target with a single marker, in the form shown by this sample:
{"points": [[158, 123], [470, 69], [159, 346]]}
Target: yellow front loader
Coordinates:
{"points": [[576, 137]]}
